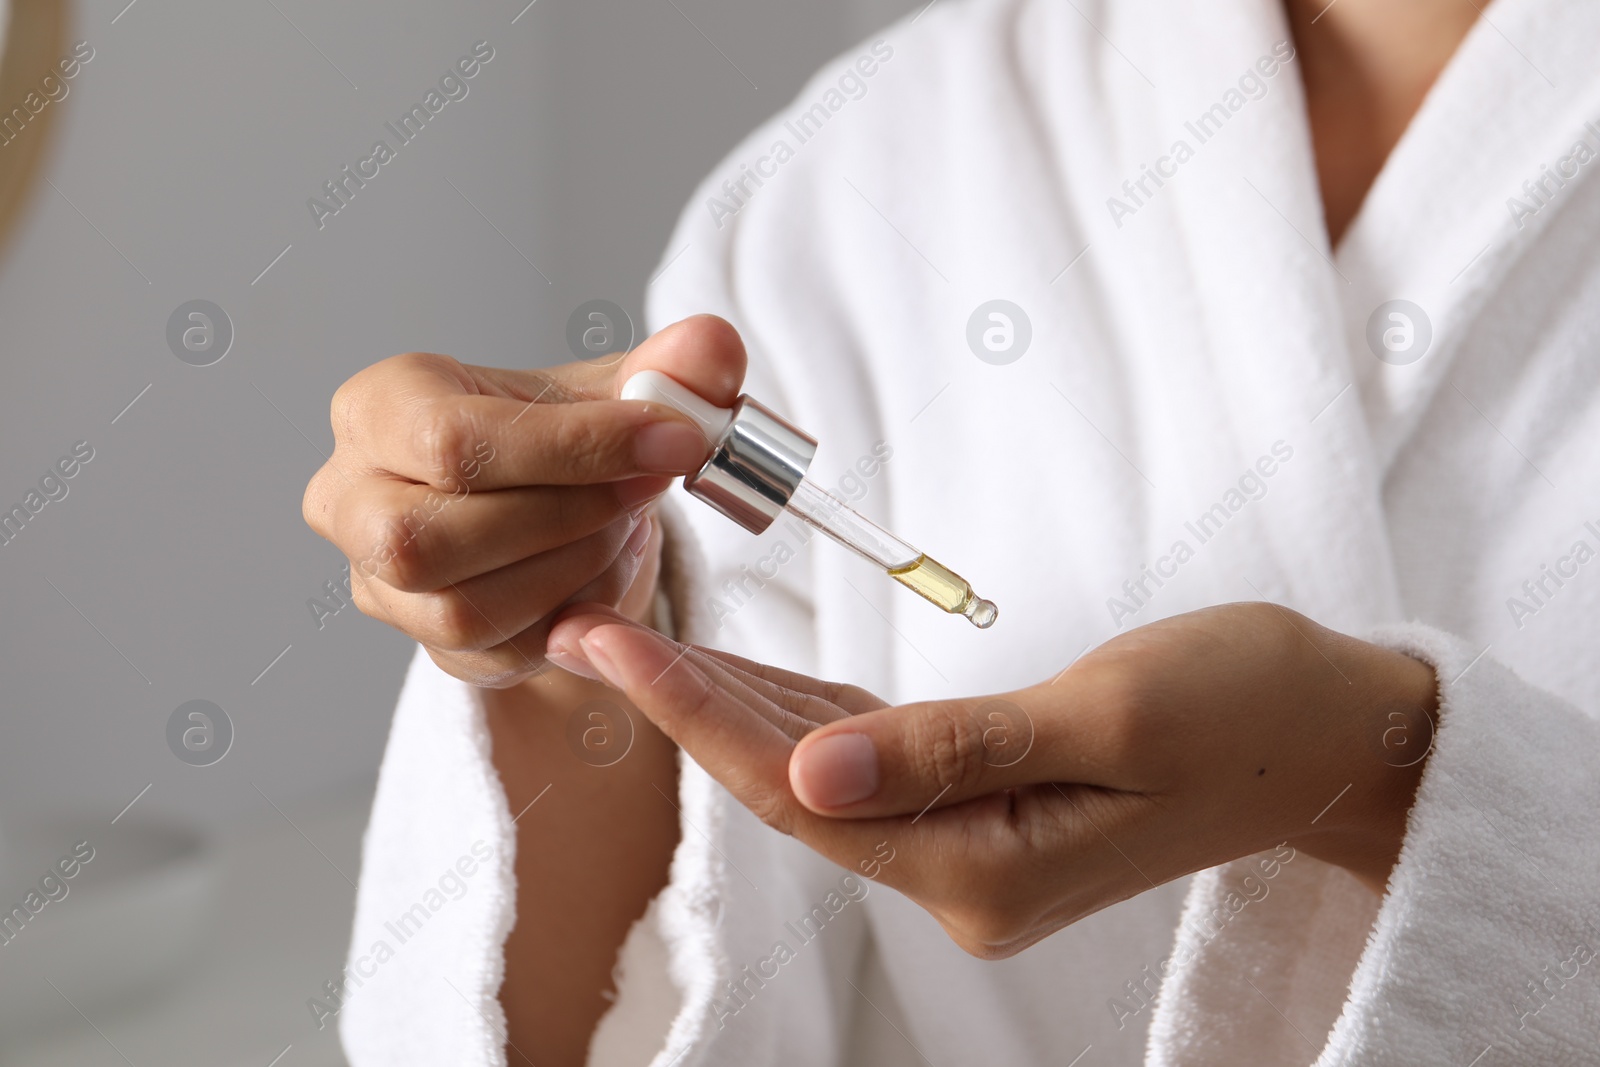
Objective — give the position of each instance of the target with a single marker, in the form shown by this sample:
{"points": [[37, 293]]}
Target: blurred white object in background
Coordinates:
{"points": [[270, 924]]}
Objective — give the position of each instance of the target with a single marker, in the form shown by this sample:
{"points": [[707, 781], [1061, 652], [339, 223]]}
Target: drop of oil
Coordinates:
{"points": [[982, 613]]}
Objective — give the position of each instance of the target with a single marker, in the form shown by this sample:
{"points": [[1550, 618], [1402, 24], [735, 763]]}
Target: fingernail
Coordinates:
{"points": [[673, 447], [641, 534], [839, 769], [572, 665], [634, 492], [600, 662]]}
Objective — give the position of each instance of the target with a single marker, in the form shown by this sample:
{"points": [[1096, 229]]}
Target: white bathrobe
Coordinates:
{"points": [[1200, 373]]}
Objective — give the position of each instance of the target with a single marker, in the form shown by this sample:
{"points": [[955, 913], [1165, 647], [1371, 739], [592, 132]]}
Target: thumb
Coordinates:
{"points": [[898, 761], [704, 353], [904, 760]]}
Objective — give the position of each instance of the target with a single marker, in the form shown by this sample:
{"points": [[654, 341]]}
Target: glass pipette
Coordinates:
{"points": [[755, 470]]}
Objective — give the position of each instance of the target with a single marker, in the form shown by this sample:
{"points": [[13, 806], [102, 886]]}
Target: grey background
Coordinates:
{"points": [[182, 161]]}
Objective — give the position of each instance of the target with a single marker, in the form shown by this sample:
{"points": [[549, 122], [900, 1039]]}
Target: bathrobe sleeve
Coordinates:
{"points": [[1483, 949]]}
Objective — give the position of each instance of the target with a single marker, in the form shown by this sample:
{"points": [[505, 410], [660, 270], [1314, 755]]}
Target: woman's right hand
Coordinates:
{"points": [[475, 503]]}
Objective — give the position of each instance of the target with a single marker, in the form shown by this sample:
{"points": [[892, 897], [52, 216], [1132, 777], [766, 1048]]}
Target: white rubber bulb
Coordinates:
{"points": [[654, 386]]}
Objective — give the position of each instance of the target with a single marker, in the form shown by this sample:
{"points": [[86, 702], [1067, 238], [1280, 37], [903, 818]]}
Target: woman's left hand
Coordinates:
{"points": [[1175, 747]]}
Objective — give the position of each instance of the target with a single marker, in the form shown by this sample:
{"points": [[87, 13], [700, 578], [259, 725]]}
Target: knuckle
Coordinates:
{"points": [[400, 548], [365, 560], [947, 747], [585, 447], [346, 407], [401, 555], [453, 623], [362, 596], [427, 361], [445, 438], [315, 503], [415, 365], [360, 399]]}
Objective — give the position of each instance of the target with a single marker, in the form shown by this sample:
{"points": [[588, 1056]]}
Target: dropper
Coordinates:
{"points": [[755, 471]]}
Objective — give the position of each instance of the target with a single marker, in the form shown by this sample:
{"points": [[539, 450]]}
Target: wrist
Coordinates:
{"points": [[566, 724], [1395, 723]]}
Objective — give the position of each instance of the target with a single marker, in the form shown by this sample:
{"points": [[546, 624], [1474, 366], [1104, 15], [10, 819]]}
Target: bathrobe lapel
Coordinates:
{"points": [[1449, 217], [1279, 317], [1265, 314]]}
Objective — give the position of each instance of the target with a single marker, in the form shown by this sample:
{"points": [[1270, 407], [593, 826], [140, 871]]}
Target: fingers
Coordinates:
{"points": [[473, 502], [417, 539], [983, 868], [901, 760], [432, 420], [795, 714], [716, 714], [796, 703], [494, 442], [524, 655], [889, 764], [488, 609], [703, 352], [771, 681], [999, 870], [721, 728]]}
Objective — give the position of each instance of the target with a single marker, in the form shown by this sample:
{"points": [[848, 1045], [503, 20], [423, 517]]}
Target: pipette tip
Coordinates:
{"points": [[981, 613]]}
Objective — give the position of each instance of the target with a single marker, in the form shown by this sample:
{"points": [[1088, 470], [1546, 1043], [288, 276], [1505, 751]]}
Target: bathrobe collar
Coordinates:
{"points": [[1255, 296], [1281, 316], [1444, 234]]}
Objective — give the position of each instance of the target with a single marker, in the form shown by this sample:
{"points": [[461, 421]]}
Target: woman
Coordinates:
{"points": [[1304, 291]]}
